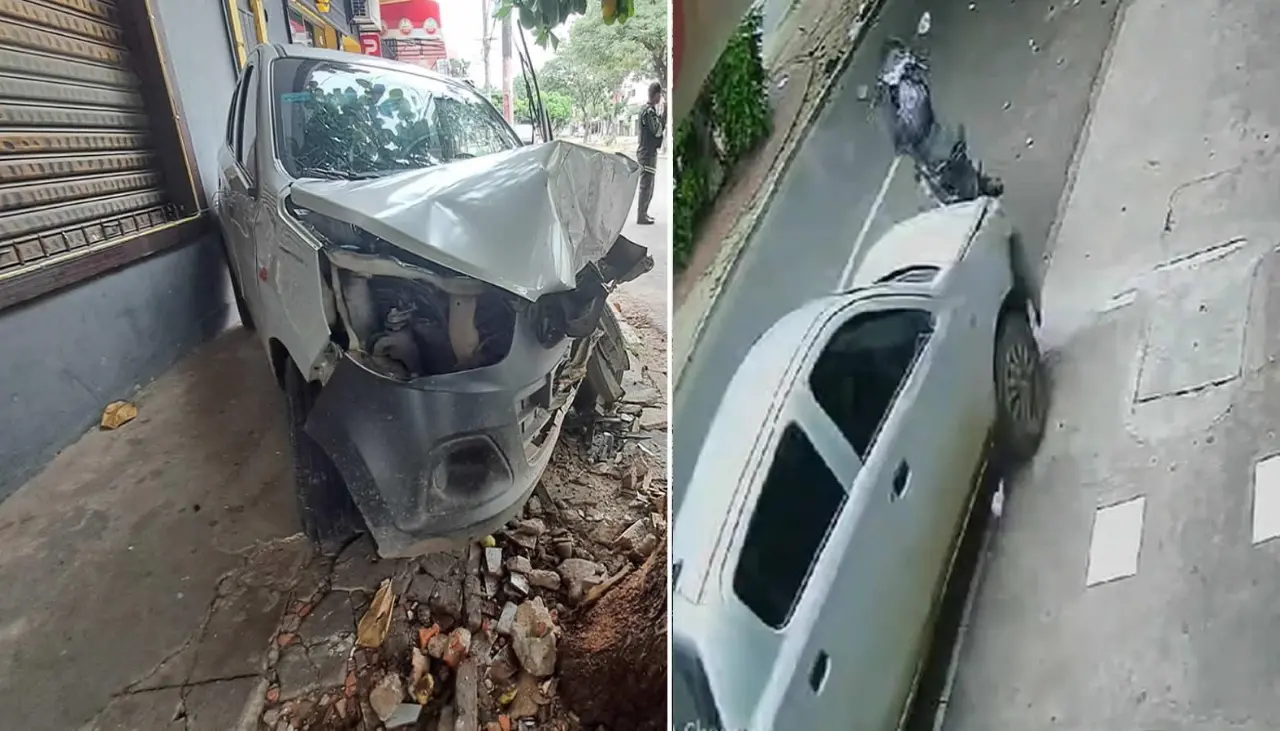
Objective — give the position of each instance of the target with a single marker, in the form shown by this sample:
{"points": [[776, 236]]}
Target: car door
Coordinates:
{"points": [[874, 383], [238, 185]]}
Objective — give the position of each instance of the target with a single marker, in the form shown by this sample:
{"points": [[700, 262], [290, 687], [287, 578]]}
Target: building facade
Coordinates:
{"points": [[111, 267]]}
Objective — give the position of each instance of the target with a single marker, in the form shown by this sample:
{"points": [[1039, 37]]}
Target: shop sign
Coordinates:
{"points": [[371, 44], [411, 19]]}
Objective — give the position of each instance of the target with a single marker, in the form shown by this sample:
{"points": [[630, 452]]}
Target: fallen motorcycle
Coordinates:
{"points": [[943, 167]]}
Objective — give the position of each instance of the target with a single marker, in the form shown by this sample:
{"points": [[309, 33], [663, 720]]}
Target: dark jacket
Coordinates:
{"points": [[652, 127]]}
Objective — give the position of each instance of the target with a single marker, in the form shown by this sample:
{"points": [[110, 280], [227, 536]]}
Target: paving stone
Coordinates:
{"points": [[238, 635], [332, 616], [154, 710], [217, 706]]}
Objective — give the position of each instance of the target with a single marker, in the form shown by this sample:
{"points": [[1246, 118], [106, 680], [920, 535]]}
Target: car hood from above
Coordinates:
{"points": [[934, 238], [526, 220]]}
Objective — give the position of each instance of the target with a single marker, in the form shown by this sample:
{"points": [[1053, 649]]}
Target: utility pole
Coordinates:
{"points": [[508, 81], [486, 41]]}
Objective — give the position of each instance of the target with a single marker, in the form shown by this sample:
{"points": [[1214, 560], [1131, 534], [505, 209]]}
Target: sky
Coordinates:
{"points": [[461, 23], [462, 26]]}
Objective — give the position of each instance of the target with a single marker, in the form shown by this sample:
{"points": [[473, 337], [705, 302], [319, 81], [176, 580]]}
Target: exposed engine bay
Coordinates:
{"points": [[406, 318]]}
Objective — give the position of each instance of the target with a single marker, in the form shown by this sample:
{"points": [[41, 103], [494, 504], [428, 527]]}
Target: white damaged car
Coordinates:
{"points": [[430, 292]]}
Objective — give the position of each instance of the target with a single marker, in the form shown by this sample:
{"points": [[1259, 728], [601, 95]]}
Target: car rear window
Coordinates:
{"points": [[798, 503]]}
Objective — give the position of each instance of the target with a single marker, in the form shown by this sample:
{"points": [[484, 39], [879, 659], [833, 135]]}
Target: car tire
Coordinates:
{"points": [[329, 515], [242, 307], [1022, 405]]}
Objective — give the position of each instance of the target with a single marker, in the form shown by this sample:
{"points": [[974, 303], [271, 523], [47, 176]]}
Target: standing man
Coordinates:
{"points": [[652, 126]]}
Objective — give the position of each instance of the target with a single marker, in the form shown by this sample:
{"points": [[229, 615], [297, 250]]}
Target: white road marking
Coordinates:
{"points": [[1266, 499], [866, 224], [1117, 539]]}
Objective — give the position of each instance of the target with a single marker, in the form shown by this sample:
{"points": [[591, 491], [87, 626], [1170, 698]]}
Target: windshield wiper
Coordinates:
{"points": [[331, 174]]}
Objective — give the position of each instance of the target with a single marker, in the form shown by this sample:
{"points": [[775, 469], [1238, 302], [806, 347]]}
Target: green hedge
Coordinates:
{"points": [[730, 118]]}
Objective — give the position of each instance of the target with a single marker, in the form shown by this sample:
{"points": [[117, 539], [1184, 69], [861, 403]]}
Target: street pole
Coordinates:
{"points": [[486, 41], [508, 81]]}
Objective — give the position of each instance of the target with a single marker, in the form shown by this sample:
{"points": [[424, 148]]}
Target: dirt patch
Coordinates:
{"points": [[615, 664]]}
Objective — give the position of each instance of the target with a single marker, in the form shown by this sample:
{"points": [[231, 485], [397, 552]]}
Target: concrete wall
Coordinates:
{"points": [[69, 354], [205, 75]]}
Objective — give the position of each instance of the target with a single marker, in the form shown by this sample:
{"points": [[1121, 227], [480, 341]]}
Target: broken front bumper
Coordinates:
{"points": [[446, 458]]}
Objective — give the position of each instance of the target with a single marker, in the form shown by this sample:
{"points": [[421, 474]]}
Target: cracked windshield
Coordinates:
{"points": [[336, 365]]}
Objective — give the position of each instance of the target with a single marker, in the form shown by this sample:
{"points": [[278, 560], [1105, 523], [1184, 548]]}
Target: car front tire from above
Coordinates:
{"points": [[1022, 403], [329, 515]]}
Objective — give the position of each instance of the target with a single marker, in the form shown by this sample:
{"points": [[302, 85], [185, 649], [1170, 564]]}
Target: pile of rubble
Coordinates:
{"points": [[470, 640], [467, 640]]}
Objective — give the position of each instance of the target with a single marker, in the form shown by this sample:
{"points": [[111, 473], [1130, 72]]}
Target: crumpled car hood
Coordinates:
{"points": [[527, 220]]}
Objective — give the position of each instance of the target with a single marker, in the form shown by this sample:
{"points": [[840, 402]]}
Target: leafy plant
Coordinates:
{"points": [[730, 118]]}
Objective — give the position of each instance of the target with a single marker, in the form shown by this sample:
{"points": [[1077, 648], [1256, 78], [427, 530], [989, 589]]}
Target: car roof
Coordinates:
{"points": [[294, 50], [742, 426]]}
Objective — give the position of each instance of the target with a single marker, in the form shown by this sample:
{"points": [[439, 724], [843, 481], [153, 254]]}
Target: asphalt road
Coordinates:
{"points": [[1017, 74]]}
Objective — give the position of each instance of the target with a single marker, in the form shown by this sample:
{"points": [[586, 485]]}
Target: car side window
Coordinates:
{"points": [[859, 373], [248, 123], [233, 113], [799, 501]]}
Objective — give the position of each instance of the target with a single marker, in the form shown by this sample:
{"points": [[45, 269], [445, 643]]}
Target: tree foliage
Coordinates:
{"points": [[544, 16], [729, 119], [558, 104], [592, 67], [377, 129]]}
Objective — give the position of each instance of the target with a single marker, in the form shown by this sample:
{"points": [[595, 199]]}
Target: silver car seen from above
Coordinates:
{"points": [[430, 292], [833, 486]]}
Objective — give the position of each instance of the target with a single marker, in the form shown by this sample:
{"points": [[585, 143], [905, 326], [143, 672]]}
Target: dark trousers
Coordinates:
{"points": [[648, 160]]}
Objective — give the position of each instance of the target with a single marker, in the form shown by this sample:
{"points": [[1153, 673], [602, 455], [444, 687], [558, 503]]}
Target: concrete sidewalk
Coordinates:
{"points": [[118, 611], [1161, 317]]}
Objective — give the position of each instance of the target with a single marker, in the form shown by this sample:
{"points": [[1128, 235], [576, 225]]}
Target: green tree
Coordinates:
{"points": [[641, 42]]}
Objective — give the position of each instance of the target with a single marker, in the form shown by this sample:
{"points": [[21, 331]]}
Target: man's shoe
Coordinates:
{"points": [[645, 220]]}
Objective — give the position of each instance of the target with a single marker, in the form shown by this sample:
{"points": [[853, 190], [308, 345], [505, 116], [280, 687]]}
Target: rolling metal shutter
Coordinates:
{"points": [[77, 168]]}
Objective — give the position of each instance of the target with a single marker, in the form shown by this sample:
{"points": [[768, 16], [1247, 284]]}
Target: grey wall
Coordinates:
{"points": [[205, 75], [68, 355]]}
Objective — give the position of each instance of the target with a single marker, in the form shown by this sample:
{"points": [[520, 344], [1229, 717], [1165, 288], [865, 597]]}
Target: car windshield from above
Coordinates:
{"points": [[352, 121]]}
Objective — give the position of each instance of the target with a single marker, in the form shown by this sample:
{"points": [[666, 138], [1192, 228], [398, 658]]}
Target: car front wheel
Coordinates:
{"points": [[329, 516], [1022, 404]]}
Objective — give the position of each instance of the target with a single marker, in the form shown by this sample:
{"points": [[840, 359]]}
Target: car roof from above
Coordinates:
{"points": [[933, 239], [742, 426]]}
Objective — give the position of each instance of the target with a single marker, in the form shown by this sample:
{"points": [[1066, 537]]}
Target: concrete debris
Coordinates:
{"points": [[519, 564], [507, 618], [403, 715], [545, 579], [386, 696], [533, 638], [518, 584], [579, 576], [459, 643], [466, 697], [493, 561]]}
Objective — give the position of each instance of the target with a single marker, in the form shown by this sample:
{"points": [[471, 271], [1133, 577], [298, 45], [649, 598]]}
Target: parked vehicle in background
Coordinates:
{"points": [[431, 294], [831, 493]]}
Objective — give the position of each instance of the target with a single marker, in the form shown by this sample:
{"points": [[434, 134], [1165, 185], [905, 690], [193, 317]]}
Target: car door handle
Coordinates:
{"points": [[901, 477], [819, 672]]}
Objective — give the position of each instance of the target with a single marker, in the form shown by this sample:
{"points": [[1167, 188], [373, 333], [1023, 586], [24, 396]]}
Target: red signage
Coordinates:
{"points": [[371, 44], [411, 19]]}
